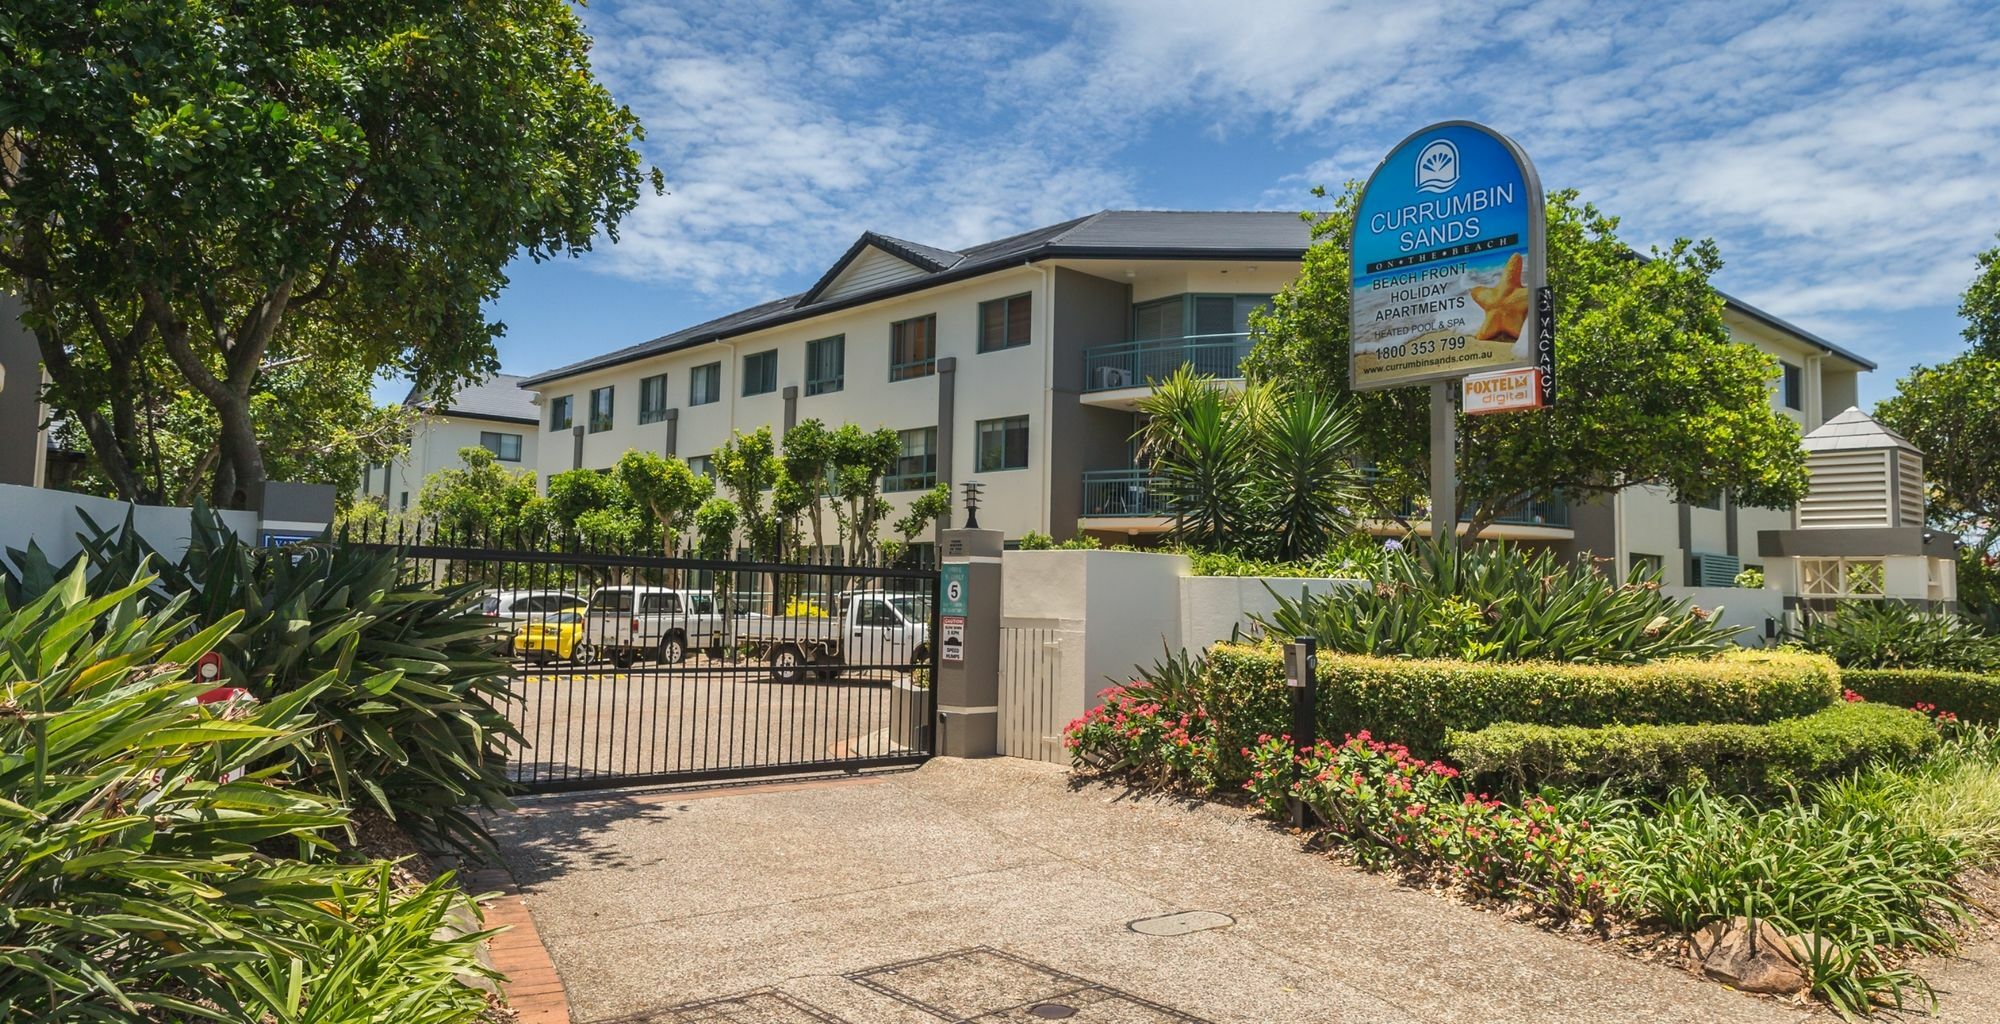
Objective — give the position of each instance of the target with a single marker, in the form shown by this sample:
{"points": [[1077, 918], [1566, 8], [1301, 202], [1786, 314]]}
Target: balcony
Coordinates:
{"points": [[1128, 369], [1120, 494], [1129, 494]]}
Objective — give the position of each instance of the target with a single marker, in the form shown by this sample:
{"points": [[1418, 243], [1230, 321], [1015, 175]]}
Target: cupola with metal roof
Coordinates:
{"points": [[1863, 475]]}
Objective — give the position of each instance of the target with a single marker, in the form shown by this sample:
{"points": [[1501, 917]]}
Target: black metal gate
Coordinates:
{"points": [[633, 668]]}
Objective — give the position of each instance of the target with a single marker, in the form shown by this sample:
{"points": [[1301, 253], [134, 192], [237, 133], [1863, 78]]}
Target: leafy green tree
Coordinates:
{"points": [[1652, 389], [861, 458], [809, 461], [928, 508], [594, 509], [1952, 412], [665, 487], [202, 184], [316, 418], [748, 466], [484, 497]]}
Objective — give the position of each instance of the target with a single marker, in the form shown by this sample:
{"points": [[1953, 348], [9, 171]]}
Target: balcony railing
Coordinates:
{"points": [[1130, 493], [1120, 493], [1134, 364]]}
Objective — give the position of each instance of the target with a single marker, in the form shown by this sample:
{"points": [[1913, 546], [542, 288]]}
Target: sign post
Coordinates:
{"points": [[1447, 277]]}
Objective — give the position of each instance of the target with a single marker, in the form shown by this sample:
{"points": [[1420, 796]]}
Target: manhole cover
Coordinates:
{"points": [[1052, 1011], [1182, 923]]}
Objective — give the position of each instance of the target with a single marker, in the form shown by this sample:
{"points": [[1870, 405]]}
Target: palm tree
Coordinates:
{"points": [[1265, 471], [1200, 448]]}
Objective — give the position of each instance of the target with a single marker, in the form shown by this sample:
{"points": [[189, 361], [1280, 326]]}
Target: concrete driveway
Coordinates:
{"points": [[994, 891]]}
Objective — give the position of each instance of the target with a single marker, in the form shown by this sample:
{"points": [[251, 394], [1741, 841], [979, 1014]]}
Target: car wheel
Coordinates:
{"points": [[582, 654], [787, 664], [673, 650]]}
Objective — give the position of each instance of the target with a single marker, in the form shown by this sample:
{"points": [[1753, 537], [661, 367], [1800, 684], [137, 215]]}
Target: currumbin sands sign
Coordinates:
{"points": [[1447, 265]]}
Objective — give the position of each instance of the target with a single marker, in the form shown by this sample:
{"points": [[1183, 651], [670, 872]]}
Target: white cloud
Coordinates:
{"points": [[1844, 153]]}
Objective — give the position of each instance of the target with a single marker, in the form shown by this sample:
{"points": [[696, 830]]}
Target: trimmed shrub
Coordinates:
{"points": [[1972, 696], [1736, 758], [1418, 702], [1891, 634]]}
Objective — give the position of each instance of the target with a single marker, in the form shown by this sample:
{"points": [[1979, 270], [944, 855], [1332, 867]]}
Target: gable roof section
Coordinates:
{"points": [[1107, 234], [499, 397]]}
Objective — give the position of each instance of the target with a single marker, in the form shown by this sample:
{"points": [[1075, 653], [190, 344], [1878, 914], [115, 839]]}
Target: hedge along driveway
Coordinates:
{"points": [[1969, 695], [1415, 702]]}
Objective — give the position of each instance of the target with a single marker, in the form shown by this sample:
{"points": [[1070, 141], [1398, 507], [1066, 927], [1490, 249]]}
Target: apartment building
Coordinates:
{"points": [[1019, 364], [495, 414]]}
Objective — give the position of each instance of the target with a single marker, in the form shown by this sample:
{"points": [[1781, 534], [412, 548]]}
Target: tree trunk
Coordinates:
{"points": [[105, 442]]}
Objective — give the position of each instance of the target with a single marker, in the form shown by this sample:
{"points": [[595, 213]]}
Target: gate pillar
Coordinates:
{"points": [[968, 649]]}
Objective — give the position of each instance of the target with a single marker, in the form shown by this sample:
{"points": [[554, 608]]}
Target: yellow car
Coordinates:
{"points": [[557, 637]]}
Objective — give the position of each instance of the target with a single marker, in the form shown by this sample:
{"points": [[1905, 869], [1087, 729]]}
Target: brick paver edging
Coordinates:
{"points": [[532, 988]]}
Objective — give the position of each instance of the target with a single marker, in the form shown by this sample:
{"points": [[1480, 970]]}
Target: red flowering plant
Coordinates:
{"points": [[1131, 733], [1389, 809]]}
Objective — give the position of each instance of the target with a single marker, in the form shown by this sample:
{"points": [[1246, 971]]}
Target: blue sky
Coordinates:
{"points": [[1846, 156]]}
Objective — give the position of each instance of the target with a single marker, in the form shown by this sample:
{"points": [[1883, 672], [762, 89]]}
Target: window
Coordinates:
{"points": [[561, 412], [913, 348], [1003, 323], [653, 399], [760, 373], [617, 602], [916, 467], [600, 410], [701, 466], [1650, 564], [1003, 444], [875, 612], [403, 501], [1792, 388], [705, 384], [826, 365], [505, 447], [1182, 316], [668, 603]]}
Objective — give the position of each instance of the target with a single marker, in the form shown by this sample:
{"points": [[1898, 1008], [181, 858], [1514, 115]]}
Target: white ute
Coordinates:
{"points": [[874, 629]]}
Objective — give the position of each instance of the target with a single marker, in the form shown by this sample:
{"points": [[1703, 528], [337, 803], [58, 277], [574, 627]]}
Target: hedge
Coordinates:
{"points": [[1416, 702], [1969, 695], [1738, 758]]}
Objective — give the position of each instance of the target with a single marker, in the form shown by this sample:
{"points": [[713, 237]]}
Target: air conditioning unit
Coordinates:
{"points": [[1109, 377]]}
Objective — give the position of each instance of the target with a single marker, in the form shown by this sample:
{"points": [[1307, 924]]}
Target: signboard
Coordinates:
{"points": [[952, 646], [1447, 265], [953, 585], [1503, 391]]}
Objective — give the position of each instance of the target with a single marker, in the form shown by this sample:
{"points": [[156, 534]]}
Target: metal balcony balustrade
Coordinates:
{"points": [[1130, 493], [1134, 364]]}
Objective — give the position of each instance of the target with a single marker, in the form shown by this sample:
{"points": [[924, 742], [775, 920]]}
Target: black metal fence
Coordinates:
{"points": [[634, 667]]}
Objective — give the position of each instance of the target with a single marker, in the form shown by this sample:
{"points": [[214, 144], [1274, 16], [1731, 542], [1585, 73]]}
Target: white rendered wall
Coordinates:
{"points": [[53, 520]]}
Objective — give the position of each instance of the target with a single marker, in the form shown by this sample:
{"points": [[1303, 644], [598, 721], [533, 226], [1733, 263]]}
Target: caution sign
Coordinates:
{"points": [[951, 646]]}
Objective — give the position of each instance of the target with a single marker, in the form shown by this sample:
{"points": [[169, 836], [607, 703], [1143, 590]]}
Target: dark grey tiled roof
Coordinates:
{"points": [[1157, 234], [499, 397], [1129, 234]]}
